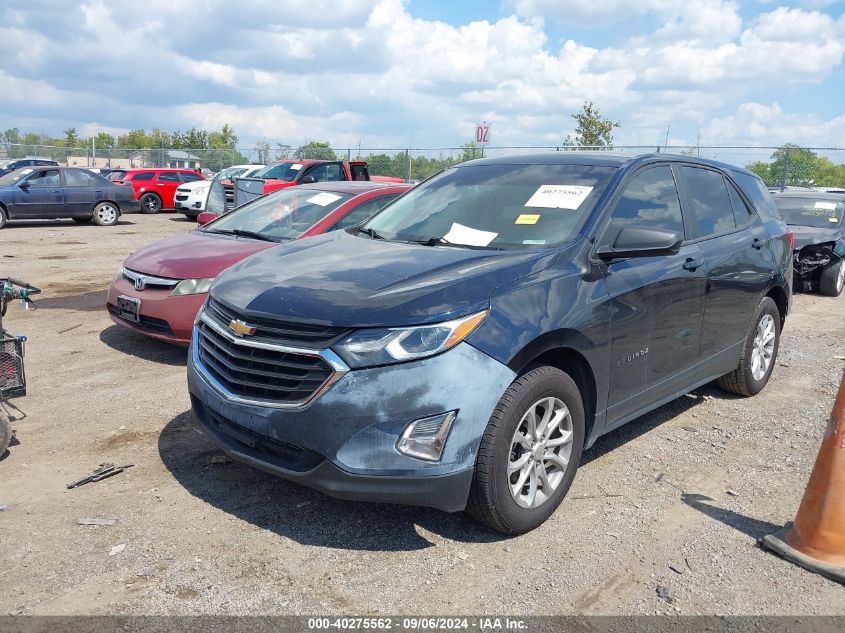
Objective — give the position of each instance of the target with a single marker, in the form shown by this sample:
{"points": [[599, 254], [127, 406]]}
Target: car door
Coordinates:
{"points": [[324, 172], [79, 193], [656, 303], [41, 196], [739, 268], [166, 184]]}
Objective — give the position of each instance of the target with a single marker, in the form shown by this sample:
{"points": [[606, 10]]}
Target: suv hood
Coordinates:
{"points": [[351, 281], [190, 186], [806, 235], [194, 255]]}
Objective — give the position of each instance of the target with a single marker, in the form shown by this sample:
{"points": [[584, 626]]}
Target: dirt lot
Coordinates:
{"points": [[674, 500]]}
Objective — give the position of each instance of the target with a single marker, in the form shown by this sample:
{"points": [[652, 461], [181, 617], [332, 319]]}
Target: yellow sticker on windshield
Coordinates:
{"points": [[527, 218]]}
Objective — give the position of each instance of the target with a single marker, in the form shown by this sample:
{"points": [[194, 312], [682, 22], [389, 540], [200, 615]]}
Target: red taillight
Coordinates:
{"points": [[791, 237]]}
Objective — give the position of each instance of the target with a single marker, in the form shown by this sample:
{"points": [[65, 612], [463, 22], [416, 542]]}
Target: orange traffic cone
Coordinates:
{"points": [[816, 539]]}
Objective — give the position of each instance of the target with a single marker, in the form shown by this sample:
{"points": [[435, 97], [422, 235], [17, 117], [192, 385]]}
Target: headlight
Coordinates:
{"points": [[192, 286], [384, 346]]}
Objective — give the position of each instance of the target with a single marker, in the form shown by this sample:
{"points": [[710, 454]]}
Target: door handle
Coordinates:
{"points": [[691, 264], [757, 243]]}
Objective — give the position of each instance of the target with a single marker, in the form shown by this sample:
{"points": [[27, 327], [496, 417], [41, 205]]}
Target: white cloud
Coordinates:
{"points": [[760, 124]]}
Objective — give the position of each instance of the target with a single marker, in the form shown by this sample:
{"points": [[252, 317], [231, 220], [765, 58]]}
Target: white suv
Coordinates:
{"points": [[190, 197]]}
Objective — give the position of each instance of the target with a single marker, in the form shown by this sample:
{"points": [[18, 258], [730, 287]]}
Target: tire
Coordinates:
{"points": [[83, 220], [748, 379], [106, 214], [5, 432], [3, 218], [150, 203], [491, 499], [833, 279]]}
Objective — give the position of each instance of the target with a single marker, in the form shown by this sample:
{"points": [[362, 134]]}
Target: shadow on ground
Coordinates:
{"points": [[749, 526], [296, 512], [13, 224], [128, 342]]}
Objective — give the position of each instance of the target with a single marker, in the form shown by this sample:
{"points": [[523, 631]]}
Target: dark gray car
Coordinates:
{"points": [[817, 221], [48, 193]]}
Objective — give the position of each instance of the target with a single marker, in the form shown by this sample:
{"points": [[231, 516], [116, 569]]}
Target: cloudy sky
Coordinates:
{"points": [[389, 73]]}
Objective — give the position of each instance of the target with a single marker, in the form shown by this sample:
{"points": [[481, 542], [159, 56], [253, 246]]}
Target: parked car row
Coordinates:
{"points": [[461, 347]]}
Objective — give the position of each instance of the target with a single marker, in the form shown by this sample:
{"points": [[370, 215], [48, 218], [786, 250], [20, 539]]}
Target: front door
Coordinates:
{"points": [[43, 198], [656, 303]]}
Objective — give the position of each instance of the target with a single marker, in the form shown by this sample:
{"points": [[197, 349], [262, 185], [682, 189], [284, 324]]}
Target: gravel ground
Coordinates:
{"points": [[664, 515]]}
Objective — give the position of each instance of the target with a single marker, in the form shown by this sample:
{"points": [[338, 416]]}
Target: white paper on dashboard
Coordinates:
{"points": [[460, 234], [296, 166], [830, 206], [323, 199], [559, 196]]}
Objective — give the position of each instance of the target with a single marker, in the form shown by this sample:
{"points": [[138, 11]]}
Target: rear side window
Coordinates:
{"points": [[78, 178], [742, 214], [710, 201], [649, 201], [168, 176], [141, 175], [756, 190]]}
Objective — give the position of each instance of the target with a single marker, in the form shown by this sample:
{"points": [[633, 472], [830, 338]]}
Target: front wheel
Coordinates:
{"points": [[5, 432], [106, 214], [833, 279], [759, 353], [150, 203], [529, 452]]}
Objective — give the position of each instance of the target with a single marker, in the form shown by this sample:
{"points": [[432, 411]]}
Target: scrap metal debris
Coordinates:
{"points": [[104, 471]]}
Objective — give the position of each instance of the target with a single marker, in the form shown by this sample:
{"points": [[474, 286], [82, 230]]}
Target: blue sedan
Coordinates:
{"points": [[50, 193]]}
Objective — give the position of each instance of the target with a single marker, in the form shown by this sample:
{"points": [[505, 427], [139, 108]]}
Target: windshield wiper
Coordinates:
{"points": [[439, 241], [372, 233], [243, 233]]}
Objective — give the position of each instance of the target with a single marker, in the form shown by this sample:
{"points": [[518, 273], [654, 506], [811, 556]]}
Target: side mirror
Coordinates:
{"points": [[23, 184], [307, 180], [636, 242], [205, 217]]}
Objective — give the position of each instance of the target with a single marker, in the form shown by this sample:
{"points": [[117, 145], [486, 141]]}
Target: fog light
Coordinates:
{"points": [[426, 437]]}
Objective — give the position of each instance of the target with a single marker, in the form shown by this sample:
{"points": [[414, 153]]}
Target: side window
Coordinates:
{"points": [[77, 178], [143, 175], [46, 178], [711, 204], [189, 176], [326, 172], [168, 176], [649, 201], [364, 211], [742, 214], [757, 192]]}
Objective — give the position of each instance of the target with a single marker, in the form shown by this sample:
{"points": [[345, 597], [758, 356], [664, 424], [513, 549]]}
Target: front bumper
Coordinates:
{"points": [[163, 317], [344, 442]]}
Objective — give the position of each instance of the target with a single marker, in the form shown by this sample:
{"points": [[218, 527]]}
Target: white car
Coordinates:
{"points": [[191, 196]]}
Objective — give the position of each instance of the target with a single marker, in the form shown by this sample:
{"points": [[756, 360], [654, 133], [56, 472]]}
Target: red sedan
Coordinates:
{"points": [[160, 288]]}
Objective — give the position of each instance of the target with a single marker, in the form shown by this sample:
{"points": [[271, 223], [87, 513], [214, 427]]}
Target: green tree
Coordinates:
{"points": [[593, 130], [795, 163], [104, 140], [224, 139], [12, 135], [319, 151], [71, 138]]}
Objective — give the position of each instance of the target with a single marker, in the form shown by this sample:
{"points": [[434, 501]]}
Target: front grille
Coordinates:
{"points": [[284, 454], [307, 335], [266, 375], [146, 322], [181, 198]]}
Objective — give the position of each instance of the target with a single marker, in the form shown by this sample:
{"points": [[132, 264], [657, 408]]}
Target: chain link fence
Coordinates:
{"points": [[780, 167]]}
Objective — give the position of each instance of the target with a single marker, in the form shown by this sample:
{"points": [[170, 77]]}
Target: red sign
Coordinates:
{"points": [[482, 133]]}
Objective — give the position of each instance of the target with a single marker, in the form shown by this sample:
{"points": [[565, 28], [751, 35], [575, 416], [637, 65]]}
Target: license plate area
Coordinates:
{"points": [[129, 308]]}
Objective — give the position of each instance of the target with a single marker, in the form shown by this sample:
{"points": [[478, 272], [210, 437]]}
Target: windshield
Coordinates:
{"points": [[495, 206], [279, 171], [230, 172], [281, 215], [811, 211], [14, 176], [117, 174]]}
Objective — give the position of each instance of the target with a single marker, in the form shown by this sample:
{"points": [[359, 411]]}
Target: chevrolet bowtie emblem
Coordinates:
{"points": [[240, 328]]}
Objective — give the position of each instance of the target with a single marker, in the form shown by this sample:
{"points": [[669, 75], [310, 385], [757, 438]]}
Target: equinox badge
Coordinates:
{"points": [[240, 328]]}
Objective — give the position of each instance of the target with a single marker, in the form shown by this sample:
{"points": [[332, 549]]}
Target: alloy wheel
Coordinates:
{"points": [[540, 452], [107, 214], [764, 347]]}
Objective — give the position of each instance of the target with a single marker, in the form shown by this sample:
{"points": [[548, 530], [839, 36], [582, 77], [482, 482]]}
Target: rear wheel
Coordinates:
{"points": [[529, 452], [150, 203], [3, 218], [106, 214], [5, 432], [759, 353], [833, 279]]}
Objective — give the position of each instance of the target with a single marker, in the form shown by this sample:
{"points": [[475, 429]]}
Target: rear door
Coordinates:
{"points": [[166, 184], [739, 268], [44, 198], [656, 303], [79, 192]]}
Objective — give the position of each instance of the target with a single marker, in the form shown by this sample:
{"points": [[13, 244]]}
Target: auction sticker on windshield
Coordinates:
{"points": [[559, 196], [296, 166], [460, 234], [323, 199]]}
